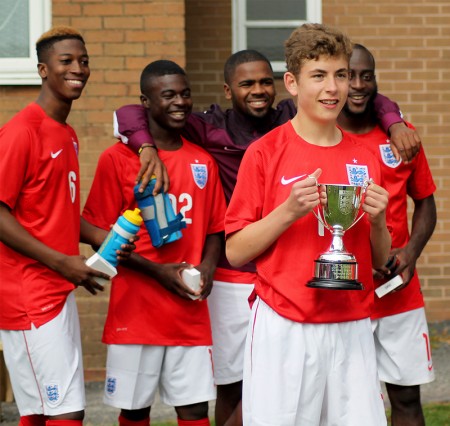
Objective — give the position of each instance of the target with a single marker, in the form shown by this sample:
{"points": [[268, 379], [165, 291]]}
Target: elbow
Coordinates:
{"points": [[233, 255], [234, 260]]}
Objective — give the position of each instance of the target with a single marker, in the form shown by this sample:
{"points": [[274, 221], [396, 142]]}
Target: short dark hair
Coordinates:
{"points": [[52, 36], [357, 46], [242, 57], [158, 69]]}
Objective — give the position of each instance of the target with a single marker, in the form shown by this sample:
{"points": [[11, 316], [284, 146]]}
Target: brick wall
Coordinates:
{"points": [[409, 40]]}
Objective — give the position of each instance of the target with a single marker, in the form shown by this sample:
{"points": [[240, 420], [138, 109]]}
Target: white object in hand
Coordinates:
{"points": [[99, 264], [191, 278], [386, 288]]}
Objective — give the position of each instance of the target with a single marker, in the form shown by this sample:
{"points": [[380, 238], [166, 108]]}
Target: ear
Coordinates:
{"points": [[227, 91], [145, 102], [290, 82], [42, 70]]}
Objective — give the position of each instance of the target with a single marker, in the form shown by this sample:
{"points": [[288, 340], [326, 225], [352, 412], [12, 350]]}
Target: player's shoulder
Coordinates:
{"points": [[117, 151], [275, 139], [29, 117], [214, 116], [24, 127], [197, 150]]}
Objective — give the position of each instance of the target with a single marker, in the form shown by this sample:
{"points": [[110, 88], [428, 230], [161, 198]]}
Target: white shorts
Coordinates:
{"points": [[310, 374], [182, 374], [403, 348], [46, 365], [230, 313]]}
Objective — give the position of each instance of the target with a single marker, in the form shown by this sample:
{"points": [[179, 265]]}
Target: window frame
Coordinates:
{"points": [[23, 71], [241, 24]]}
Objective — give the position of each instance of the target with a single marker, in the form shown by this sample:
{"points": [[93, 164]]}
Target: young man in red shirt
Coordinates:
{"points": [[39, 234], [158, 337], [398, 318], [310, 356]]}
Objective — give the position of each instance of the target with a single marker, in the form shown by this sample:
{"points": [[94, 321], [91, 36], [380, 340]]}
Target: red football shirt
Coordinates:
{"points": [[141, 311], [413, 179], [264, 181], [39, 177]]}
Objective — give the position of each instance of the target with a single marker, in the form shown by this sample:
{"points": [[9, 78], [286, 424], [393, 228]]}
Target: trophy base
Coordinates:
{"points": [[331, 284]]}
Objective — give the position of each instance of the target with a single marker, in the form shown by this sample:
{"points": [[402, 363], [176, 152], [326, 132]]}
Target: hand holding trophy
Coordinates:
{"points": [[337, 268]]}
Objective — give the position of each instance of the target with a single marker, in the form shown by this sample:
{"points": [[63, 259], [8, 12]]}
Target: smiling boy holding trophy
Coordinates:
{"points": [[310, 355]]}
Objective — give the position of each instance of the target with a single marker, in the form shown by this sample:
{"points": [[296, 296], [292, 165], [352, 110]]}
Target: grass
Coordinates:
{"points": [[435, 415]]}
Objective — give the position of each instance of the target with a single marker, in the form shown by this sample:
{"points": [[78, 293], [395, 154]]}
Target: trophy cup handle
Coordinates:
{"points": [[366, 183], [319, 218]]}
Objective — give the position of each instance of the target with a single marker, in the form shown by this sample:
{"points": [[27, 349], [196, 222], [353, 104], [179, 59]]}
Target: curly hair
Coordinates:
{"points": [[310, 41]]}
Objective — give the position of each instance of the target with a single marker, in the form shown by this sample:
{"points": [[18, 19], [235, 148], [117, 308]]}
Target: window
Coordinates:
{"points": [[264, 25], [21, 24]]}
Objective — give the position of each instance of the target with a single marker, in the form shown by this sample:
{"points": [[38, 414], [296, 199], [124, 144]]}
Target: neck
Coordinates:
{"points": [[54, 108], [316, 133], [357, 123], [167, 140]]}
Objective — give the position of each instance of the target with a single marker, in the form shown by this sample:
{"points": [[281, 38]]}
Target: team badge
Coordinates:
{"points": [[53, 393], [388, 156], [357, 175], [200, 174], [111, 385]]}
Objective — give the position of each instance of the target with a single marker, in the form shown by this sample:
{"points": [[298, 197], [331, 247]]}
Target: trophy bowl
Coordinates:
{"points": [[337, 269]]}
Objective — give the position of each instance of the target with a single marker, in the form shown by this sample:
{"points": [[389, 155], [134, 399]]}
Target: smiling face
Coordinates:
{"points": [[252, 89], [168, 100], [65, 69], [321, 88], [363, 83]]}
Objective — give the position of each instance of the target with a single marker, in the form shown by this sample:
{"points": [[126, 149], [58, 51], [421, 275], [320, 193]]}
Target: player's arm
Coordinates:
{"points": [[73, 268], [253, 240], [94, 236], [375, 205], [131, 127], [210, 257], [168, 275], [405, 142], [423, 224]]}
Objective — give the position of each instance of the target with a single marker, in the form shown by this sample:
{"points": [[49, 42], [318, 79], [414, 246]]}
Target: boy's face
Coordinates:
{"points": [[321, 87], [363, 84], [65, 71], [168, 99], [252, 89]]}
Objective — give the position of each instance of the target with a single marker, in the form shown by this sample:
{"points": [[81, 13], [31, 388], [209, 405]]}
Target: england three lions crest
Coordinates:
{"points": [[110, 385], [200, 174], [388, 156], [357, 175], [53, 394]]}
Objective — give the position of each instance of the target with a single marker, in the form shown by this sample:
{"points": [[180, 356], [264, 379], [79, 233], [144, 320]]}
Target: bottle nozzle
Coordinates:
{"points": [[134, 216]]}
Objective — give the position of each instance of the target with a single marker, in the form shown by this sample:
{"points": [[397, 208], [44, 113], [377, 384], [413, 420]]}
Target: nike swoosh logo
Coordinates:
{"points": [[430, 367], [285, 181], [55, 154]]}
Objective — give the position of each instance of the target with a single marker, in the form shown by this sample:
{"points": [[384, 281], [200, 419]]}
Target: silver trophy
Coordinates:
{"points": [[337, 268]]}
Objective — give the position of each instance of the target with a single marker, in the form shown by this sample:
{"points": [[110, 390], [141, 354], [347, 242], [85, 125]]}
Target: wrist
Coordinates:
{"points": [[145, 145]]}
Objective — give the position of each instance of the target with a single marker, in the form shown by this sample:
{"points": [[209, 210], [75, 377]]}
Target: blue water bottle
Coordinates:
{"points": [[160, 220], [125, 228]]}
